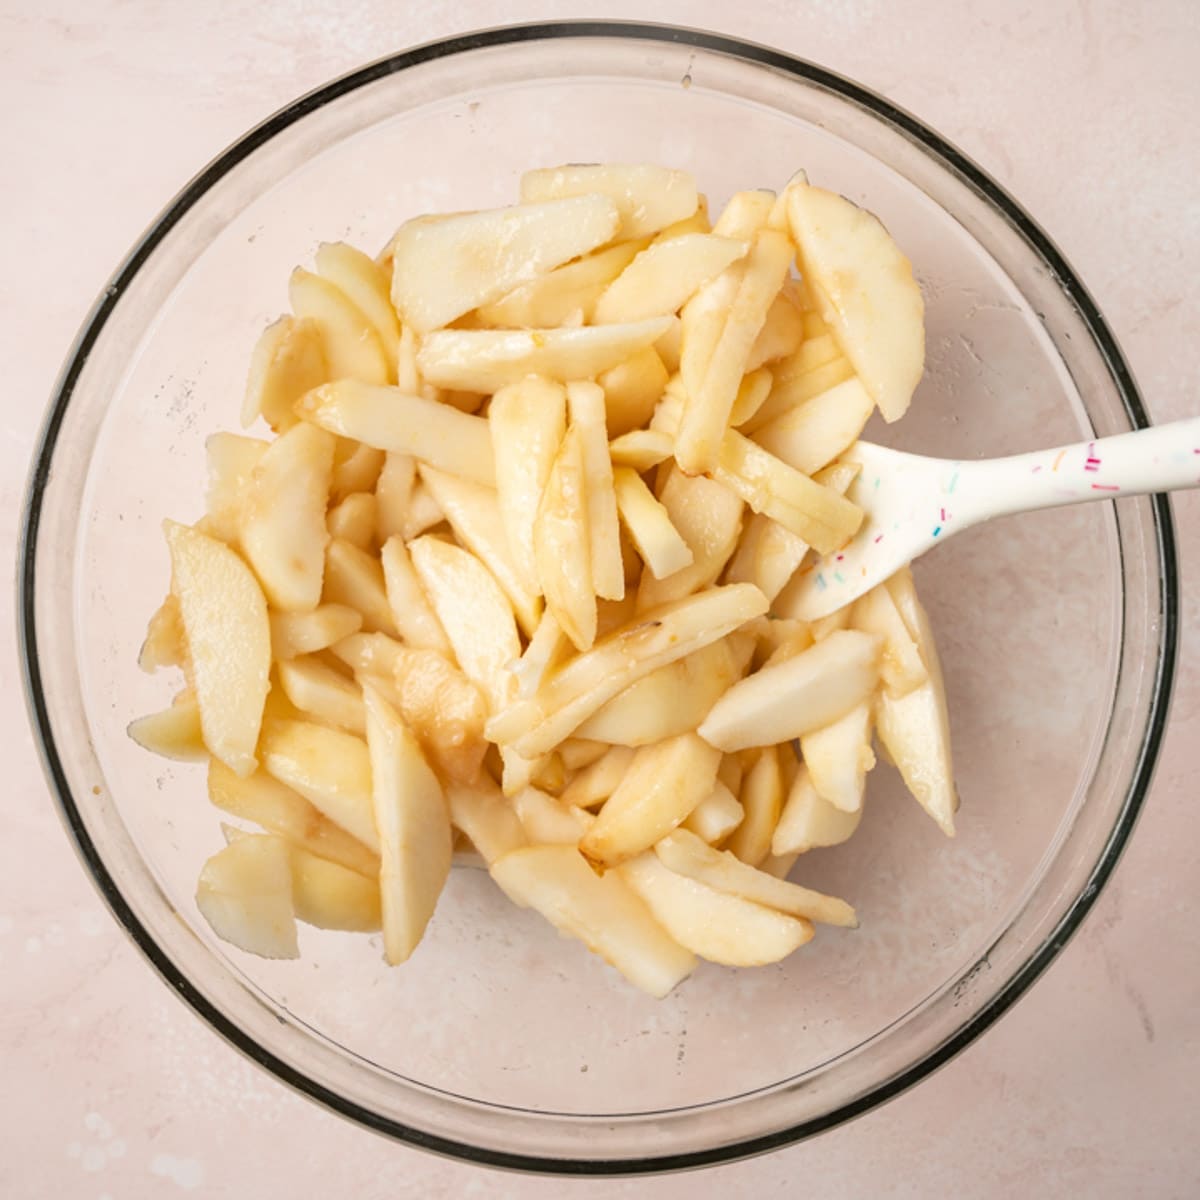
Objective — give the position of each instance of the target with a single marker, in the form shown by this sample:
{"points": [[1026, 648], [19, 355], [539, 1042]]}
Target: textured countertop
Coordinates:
{"points": [[1085, 111]]}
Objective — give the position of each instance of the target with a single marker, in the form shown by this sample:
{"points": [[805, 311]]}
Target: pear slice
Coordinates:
{"points": [[716, 816], [839, 756], [415, 839], [174, 732], [475, 614], [809, 821], [245, 894], [686, 854], [288, 360], [474, 514], [717, 926], [229, 642], [366, 284], [648, 197], [278, 809], [352, 347], [329, 768], [865, 291], [601, 911], [562, 544], [791, 698], [485, 360], [662, 785], [444, 268], [528, 420], [663, 277], [282, 527]]}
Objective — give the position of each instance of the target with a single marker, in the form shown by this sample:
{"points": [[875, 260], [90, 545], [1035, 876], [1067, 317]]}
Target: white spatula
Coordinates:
{"points": [[913, 503]]}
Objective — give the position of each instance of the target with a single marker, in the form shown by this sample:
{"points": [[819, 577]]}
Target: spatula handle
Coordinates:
{"points": [[1163, 458]]}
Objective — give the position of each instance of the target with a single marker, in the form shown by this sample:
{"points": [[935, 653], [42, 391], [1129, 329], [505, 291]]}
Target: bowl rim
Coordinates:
{"points": [[951, 158]]}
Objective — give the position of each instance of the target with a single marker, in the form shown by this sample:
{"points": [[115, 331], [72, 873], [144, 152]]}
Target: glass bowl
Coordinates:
{"points": [[500, 1042]]}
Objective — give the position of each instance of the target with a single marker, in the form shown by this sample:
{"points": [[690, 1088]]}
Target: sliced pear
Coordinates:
{"points": [[393, 490], [817, 514], [485, 360], [416, 843], [718, 926], [709, 518], [366, 284], [671, 700], [751, 395], [585, 404], [663, 784], [547, 650], [710, 402], [528, 420], [819, 430], [663, 276], [865, 291], [767, 556], [597, 781], [475, 614], [288, 360], [786, 394], [562, 544], [356, 468], [809, 821], [443, 708], [329, 768], [412, 613], [839, 756], [474, 514], [230, 459], [794, 697], [174, 732], [577, 753], [901, 668], [563, 296], [390, 419], [632, 389], [546, 821], [354, 579], [228, 636], [278, 809], [915, 730], [601, 911], [293, 634], [654, 639], [686, 854], [282, 527], [716, 816], [762, 799], [648, 197], [321, 692], [481, 812], [165, 644], [641, 449], [354, 520], [352, 347], [648, 523], [245, 894], [781, 334], [444, 268]]}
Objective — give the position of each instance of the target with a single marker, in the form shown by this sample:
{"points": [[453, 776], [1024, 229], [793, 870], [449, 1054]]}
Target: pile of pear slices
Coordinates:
{"points": [[512, 580]]}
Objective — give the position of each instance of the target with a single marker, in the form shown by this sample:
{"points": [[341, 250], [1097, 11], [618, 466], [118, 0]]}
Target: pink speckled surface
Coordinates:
{"points": [[112, 1088]]}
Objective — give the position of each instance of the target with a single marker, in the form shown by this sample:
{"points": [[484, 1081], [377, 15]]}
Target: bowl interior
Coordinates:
{"points": [[496, 1017]]}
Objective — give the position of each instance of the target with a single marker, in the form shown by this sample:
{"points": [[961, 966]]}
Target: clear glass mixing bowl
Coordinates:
{"points": [[499, 1042]]}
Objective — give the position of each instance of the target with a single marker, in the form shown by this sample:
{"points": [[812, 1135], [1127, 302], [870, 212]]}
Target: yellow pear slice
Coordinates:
{"points": [[865, 291], [229, 642]]}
